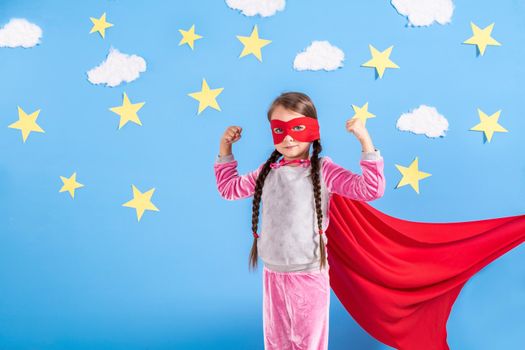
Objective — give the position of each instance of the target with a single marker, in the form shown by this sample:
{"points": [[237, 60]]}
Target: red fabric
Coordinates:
{"points": [[302, 162], [310, 132], [399, 279]]}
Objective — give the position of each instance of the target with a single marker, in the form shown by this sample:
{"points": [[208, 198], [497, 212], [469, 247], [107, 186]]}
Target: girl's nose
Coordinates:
{"points": [[289, 138]]}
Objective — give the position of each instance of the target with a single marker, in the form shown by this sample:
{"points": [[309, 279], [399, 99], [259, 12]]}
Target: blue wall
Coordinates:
{"points": [[84, 274]]}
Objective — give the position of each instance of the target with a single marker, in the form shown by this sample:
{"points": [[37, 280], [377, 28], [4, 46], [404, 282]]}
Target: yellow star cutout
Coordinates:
{"points": [[253, 44], [411, 175], [70, 184], [100, 25], [206, 97], [380, 60], [189, 36], [362, 113], [481, 37], [128, 111], [488, 124], [26, 123], [141, 202]]}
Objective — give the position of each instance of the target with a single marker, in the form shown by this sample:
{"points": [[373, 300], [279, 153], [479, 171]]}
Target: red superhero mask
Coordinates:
{"points": [[309, 131]]}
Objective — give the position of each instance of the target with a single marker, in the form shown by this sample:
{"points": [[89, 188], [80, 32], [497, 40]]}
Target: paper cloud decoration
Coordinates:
{"points": [[425, 12], [117, 67], [319, 55], [264, 8], [423, 120], [19, 32]]}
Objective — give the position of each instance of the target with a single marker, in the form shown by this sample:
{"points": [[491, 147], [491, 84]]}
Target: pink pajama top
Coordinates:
{"points": [[289, 234]]}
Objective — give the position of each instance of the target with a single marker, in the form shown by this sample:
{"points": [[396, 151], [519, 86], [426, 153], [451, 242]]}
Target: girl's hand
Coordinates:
{"points": [[231, 135], [357, 127]]}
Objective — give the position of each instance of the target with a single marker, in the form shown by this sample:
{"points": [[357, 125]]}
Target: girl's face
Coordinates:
{"points": [[290, 148]]}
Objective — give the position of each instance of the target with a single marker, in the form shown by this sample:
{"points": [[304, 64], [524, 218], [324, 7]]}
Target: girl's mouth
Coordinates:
{"points": [[289, 147]]}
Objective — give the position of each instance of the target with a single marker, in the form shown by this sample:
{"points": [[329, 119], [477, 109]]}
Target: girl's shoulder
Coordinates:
{"points": [[326, 159]]}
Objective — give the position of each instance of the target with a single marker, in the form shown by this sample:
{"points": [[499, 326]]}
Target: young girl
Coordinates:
{"points": [[295, 189], [397, 278]]}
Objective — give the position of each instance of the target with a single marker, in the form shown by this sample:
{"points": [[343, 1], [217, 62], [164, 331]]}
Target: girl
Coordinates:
{"points": [[295, 192], [397, 278]]}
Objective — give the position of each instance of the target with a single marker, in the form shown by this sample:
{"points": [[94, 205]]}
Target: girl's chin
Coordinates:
{"points": [[291, 153]]}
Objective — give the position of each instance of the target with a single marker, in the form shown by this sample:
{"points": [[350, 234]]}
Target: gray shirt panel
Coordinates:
{"points": [[289, 237]]}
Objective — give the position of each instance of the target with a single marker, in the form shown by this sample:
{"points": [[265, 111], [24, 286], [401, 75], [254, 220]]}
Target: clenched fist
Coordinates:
{"points": [[357, 127], [231, 135]]}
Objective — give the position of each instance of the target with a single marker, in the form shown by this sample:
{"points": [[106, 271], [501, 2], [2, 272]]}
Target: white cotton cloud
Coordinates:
{"points": [[20, 32], [117, 67], [425, 12], [319, 55], [263, 8], [423, 120]]}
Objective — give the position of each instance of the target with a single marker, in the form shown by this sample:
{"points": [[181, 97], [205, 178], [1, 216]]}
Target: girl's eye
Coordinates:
{"points": [[299, 127], [278, 130]]}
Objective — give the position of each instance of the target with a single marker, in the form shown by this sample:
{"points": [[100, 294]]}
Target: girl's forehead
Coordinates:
{"points": [[281, 113]]}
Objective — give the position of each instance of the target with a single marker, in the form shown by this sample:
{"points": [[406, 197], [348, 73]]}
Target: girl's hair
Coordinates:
{"points": [[302, 104]]}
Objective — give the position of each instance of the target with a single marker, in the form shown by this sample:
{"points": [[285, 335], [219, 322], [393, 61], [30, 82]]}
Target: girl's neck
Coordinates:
{"points": [[302, 156]]}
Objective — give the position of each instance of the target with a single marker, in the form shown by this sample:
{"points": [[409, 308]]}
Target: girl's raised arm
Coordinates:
{"points": [[368, 186], [230, 184]]}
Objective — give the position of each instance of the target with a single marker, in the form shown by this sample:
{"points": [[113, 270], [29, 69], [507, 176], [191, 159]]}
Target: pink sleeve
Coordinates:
{"points": [[366, 187], [230, 184]]}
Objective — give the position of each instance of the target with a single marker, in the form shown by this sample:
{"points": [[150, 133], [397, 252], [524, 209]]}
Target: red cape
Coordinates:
{"points": [[399, 279]]}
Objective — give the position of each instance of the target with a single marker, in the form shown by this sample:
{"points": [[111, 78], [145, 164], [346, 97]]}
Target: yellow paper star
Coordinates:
{"points": [[362, 113], [207, 97], [26, 123], [481, 37], [70, 184], [128, 111], [100, 25], [380, 60], [488, 124], [189, 36], [141, 202], [253, 44], [411, 175]]}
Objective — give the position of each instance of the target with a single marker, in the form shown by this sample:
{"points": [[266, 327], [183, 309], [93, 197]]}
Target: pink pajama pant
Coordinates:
{"points": [[296, 310]]}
